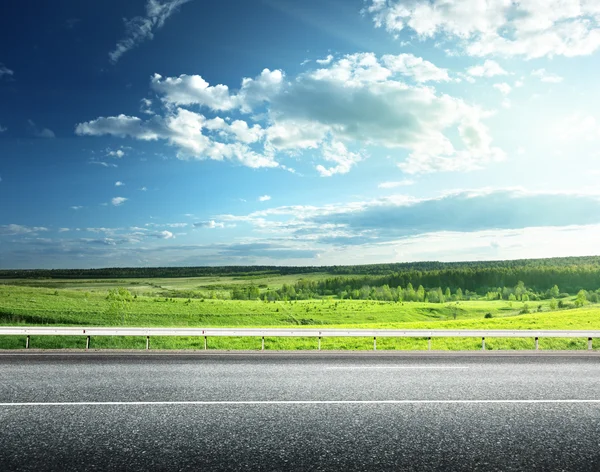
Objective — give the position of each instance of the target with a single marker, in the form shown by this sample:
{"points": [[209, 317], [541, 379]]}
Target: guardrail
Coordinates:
{"points": [[276, 332]]}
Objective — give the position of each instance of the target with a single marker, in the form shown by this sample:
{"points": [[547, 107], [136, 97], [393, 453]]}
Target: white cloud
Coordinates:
{"points": [[212, 224], [184, 129], [142, 28], [400, 183], [194, 90], [163, 235], [325, 61], [40, 132], [118, 183], [76, 207], [355, 101], [103, 164], [12, 229], [63, 230], [416, 67], [337, 153], [145, 106], [531, 28], [488, 69], [503, 87], [5, 71], [264, 198], [143, 189], [546, 76], [118, 153], [117, 201]]}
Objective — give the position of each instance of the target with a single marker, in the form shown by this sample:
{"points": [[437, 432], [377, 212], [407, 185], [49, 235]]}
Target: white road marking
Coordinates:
{"points": [[302, 402], [394, 367]]}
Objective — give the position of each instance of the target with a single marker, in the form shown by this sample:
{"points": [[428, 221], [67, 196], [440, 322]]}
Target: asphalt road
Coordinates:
{"points": [[283, 412]]}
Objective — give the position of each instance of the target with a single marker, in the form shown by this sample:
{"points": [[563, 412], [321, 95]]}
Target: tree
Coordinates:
{"points": [[410, 296], [421, 294], [459, 294], [581, 298], [554, 292], [520, 290], [553, 304]]}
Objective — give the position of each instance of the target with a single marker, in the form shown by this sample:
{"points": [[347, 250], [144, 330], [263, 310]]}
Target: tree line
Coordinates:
{"points": [[539, 275]]}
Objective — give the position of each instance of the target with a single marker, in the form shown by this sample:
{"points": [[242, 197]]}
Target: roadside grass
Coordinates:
{"points": [[41, 306]]}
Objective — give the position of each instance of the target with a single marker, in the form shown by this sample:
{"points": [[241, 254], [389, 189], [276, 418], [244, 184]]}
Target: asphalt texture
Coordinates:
{"points": [[279, 412]]}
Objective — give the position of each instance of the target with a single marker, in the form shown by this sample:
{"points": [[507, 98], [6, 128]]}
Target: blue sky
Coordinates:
{"points": [[178, 132]]}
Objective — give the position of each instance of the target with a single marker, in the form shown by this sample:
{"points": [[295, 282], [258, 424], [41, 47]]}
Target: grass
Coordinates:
{"points": [[84, 303]]}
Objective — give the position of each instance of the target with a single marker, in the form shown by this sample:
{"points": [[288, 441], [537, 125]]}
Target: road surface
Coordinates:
{"points": [[277, 412]]}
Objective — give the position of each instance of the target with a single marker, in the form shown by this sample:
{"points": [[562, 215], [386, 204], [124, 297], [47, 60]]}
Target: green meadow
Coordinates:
{"points": [[162, 303]]}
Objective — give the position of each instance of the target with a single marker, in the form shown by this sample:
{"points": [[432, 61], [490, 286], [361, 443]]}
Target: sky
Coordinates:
{"points": [[277, 132]]}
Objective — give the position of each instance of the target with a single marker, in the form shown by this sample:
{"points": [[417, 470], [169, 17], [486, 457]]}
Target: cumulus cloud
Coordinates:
{"points": [[117, 201], [40, 132], [531, 29], [185, 129], [118, 153], [355, 102], [503, 87], [338, 154], [488, 69], [194, 90], [118, 183], [212, 224], [264, 198], [546, 76], [162, 235], [142, 28], [325, 61], [145, 106], [416, 67]]}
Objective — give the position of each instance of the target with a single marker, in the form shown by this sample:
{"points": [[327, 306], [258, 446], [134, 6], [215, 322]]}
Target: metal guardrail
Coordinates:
{"points": [[309, 332]]}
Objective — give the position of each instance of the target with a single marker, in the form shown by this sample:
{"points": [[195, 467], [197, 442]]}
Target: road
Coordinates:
{"points": [[277, 412]]}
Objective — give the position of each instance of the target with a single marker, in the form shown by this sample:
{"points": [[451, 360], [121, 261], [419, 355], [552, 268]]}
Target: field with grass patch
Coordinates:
{"points": [[86, 303]]}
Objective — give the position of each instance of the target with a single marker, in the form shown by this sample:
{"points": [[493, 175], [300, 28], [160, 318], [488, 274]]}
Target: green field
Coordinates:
{"points": [[85, 303]]}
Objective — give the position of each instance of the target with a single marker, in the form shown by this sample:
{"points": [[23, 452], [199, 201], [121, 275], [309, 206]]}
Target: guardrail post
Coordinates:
{"points": [[205, 344], [27, 343], [537, 343], [263, 344], [147, 343], [319, 348], [374, 343], [589, 344], [87, 343], [429, 343], [483, 344]]}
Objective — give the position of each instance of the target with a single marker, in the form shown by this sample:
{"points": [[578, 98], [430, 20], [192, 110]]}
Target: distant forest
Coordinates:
{"points": [[571, 274]]}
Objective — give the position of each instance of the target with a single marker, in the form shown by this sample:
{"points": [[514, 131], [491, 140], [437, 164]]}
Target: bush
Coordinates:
{"points": [[488, 315]]}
